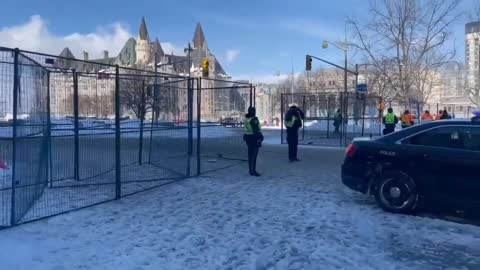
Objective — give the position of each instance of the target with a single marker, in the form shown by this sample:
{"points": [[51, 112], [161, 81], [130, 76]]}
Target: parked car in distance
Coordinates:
{"points": [[231, 122], [435, 164]]}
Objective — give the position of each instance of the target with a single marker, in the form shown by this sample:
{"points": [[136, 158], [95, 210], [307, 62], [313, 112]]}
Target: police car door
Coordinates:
{"points": [[447, 164]]}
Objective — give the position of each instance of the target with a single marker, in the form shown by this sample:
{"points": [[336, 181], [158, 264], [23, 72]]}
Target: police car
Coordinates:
{"points": [[436, 164]]}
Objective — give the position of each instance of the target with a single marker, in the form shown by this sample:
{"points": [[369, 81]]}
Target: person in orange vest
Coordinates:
{"points": [[406, 119], [426, 116]]}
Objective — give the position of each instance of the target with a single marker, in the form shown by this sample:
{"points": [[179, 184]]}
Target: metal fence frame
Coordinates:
{"points": [[53, 144], [356, 109], [352, 104]]}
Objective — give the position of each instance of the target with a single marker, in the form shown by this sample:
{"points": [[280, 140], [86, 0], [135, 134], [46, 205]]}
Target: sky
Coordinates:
{"points": [[261, 40]]}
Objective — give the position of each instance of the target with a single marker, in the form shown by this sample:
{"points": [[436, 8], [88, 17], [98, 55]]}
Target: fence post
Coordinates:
{"points": [[199, 112], [419, 113], [346, 122], [13, 219], [151, 129], [303, 125], [49, 132], [363, 114], [281, 117], [328, 117], [254, 96], [190, 125], [118, 160], [251, 95], [342, 106], [142, 116], [76, 125]]}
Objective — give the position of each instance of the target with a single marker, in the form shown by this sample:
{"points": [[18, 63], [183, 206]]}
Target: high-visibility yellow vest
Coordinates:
{"points": [[247, 127], [390, 118], [290, 123]]}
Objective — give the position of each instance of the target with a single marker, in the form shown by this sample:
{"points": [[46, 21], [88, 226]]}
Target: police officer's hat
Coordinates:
{"points": [[293, 105]]}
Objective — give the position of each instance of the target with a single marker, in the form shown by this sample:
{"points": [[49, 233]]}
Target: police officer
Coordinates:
{"points": [[253, 137], [337, 121], [293, 122], [390, 120], [406, 119]]}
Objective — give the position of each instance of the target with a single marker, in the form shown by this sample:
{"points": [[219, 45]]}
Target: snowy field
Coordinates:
{"points": [[296, 216]]}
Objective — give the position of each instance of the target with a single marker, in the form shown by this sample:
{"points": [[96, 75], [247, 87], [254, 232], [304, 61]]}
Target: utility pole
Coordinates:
{"points": [[293, 80], [188, 50], [345, 92]]}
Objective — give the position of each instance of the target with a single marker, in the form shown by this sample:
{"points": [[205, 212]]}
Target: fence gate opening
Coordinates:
{"points": [[219, 109]]}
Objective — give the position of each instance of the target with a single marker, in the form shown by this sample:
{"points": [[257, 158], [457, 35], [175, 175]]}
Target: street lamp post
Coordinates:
{"points": [[188, 50], [344, 48]]}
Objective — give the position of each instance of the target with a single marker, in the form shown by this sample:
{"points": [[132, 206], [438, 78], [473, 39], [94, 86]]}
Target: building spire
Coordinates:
{"points": [[157, 49], [143, 33], [199, 37]]}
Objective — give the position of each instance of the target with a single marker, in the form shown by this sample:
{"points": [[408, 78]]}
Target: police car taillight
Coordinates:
{"points": [[350, 151]]}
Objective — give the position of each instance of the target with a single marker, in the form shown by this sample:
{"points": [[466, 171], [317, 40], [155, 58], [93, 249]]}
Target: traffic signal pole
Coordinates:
{"points": [[335, 65], [345, 95]]}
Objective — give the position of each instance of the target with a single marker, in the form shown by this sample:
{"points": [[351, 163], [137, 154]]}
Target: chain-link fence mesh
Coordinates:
{"points": [[223, 105], [333, 118], [77, 133], [6, 136]]}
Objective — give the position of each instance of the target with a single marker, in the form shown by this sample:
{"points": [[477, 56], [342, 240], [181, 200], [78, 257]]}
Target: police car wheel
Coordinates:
{"points": [[396, 192]]}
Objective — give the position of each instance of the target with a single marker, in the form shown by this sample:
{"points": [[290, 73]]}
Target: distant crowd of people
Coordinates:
{"points": [[390, 120]]}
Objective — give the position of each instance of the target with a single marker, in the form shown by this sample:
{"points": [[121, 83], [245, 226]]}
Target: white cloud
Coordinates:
{"points": [[34, 35], [232, 55]]}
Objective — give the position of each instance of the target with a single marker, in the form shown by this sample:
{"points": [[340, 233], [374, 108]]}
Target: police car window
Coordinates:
{"points": [[472, 139], [446, 137]]}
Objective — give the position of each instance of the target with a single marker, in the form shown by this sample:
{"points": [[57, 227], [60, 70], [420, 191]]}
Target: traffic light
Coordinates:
{"points": [[205, 67], [308, 64]]}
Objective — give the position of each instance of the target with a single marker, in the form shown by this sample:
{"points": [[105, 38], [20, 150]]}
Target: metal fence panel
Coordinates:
{"points": [[154, 139], [223, 106], [322, 126], [62, 149], [30, 133], [77, 133], [6, 136]]}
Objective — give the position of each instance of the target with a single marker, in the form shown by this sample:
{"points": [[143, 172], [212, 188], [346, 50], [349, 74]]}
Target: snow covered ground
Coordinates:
{"points": [[296, 216]]}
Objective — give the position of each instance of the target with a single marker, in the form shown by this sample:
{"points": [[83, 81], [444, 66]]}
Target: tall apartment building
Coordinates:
{"points": [[472, 53]]}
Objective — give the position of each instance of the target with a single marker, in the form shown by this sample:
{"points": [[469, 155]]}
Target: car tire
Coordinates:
{"points": [[396, 192]]}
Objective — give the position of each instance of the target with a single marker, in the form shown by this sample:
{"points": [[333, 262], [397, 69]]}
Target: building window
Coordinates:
{"points": [[353, 82], [333, 82]]}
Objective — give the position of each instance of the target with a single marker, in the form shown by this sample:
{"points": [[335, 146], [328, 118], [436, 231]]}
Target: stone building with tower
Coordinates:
{"points": [[142, 53]]}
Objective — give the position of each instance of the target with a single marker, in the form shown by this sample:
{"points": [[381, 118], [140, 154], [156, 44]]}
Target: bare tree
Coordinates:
{"points": [[409, 32], [165, 99], [382, 79], [133, 95]]}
